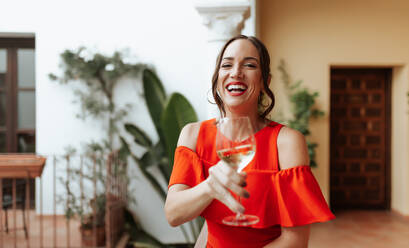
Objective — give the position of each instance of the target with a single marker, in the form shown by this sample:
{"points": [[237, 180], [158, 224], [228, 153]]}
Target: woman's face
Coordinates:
{"points": [[240, 80]]}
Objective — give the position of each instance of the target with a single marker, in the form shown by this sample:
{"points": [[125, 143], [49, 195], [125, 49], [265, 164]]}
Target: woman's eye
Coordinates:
{"points": [[250, 65], [226, 65]]}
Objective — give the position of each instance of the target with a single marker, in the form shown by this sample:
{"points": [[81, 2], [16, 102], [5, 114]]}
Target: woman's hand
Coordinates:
{"points": [[184, 203], [223, 178]]}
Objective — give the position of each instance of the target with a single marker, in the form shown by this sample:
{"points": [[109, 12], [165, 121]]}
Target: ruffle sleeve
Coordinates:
{"points": [[187, 168], [290, 197]]}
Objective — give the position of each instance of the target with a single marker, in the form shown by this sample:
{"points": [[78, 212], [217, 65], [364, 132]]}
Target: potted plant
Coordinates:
{"points": [[87, 203], [93, 226]]}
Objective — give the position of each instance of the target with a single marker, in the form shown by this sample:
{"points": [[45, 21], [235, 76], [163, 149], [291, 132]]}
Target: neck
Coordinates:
{"points": [[256, 121]]}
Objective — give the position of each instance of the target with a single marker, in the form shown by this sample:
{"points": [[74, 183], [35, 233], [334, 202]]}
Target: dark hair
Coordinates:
{"points": [[265, 73]]}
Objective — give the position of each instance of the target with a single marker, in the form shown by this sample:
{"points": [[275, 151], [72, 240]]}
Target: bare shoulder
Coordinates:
{"points": [[289, 136], [188, 135], [292, 148]]}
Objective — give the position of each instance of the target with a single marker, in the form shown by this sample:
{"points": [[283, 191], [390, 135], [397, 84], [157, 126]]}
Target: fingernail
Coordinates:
{"points": [[241, 210]]}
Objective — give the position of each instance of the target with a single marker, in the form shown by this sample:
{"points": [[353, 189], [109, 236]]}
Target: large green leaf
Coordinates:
{"points": [[148, 159], [124, 151], [152, 180], [162, 159], [140, 136], [155, 98], [178, 112], [155, 156]]}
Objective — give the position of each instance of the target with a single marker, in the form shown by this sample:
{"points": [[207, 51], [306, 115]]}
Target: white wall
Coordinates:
{"points": [[166, 34]]}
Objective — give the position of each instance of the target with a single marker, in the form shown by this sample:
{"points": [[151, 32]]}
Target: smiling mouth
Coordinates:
{"points": [[236, 88]]}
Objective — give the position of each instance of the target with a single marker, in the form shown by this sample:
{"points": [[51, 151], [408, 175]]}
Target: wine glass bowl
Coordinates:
{"points": [[236, 145]]}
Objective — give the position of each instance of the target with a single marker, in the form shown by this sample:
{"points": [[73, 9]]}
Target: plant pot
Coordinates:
{"points": [[87, 236]]}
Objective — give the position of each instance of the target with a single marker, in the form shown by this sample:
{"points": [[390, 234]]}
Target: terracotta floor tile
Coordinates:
{"points": [[7, 239], [357, 229]]}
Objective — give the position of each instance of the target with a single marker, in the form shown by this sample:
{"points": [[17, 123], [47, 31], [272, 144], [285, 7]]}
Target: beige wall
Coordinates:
{"points": [[313, 35]]}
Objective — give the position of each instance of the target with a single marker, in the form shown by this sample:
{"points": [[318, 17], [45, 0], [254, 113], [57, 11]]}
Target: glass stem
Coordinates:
{"points": [[239, 215]]}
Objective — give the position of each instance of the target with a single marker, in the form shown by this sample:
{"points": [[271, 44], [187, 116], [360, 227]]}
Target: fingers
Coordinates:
{"points": [[231, 174], [223, 178], [243, 176], [233, 204], [230, 179], [223, 195]]}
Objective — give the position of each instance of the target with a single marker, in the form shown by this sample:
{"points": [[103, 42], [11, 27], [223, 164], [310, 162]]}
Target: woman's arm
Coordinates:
{"points": [[184, 203], [292, 151]]}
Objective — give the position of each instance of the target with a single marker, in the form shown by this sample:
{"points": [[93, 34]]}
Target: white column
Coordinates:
{"points": [[223, 19]]}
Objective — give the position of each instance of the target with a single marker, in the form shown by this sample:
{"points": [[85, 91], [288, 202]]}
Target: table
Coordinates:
{"points": [[21, 165]]}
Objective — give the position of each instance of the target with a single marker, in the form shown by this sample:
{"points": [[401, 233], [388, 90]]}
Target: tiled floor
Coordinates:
{"points": [[352, 229], [7, 239]]}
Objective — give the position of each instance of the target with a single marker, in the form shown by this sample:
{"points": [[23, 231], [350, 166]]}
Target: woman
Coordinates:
{"points": [[277, 185]]}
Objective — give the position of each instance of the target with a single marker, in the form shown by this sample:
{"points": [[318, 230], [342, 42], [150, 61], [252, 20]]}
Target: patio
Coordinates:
{"points": [[351, 229], [52, 230]]}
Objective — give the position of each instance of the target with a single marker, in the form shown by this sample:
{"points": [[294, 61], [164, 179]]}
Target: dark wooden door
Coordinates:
{"points": [[17, 95], [360, 138]]}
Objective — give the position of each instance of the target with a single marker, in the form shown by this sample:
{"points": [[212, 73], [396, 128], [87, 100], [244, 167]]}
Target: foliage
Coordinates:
{"points": [[169, 115], [138, 236], [302, 107], [91, 171], [96, 77], [99, 76]]}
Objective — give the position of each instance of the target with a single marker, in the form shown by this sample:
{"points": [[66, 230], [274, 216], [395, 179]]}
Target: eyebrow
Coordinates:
{"points": [[246, 58]]}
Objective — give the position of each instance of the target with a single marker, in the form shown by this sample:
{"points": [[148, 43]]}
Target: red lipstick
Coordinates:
{"points": [[236, 88]]}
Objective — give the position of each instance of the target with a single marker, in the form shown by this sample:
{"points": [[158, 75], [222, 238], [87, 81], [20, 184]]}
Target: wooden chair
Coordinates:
{"points": [[20, 166]]}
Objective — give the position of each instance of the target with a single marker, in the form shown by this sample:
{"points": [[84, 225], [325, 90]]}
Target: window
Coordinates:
{"points": [[17, 95]]}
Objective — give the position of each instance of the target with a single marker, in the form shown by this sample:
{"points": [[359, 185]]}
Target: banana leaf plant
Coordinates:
{"points": [[169, 115]]}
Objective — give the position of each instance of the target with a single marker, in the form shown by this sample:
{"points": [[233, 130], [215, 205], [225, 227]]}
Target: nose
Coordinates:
{"points": [[236, 72]]}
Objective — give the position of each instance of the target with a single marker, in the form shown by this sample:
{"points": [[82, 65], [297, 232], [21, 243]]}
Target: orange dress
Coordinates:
{"points": [[288, 198]]}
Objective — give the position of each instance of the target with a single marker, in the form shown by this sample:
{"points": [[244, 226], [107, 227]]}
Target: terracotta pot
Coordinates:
{"points": [[87, 236]]}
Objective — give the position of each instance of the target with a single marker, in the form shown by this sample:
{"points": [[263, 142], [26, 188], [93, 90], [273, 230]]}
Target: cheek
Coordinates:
{"points": [[257, 82], [220, 80], [222, 75], [219, 86], [260, 84]]}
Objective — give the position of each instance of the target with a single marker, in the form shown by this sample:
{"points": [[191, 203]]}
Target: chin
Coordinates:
{"points": [[236, 105]]}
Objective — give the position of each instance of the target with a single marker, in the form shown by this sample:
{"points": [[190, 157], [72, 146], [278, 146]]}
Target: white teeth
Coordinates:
{"points": [[236, 87]]}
